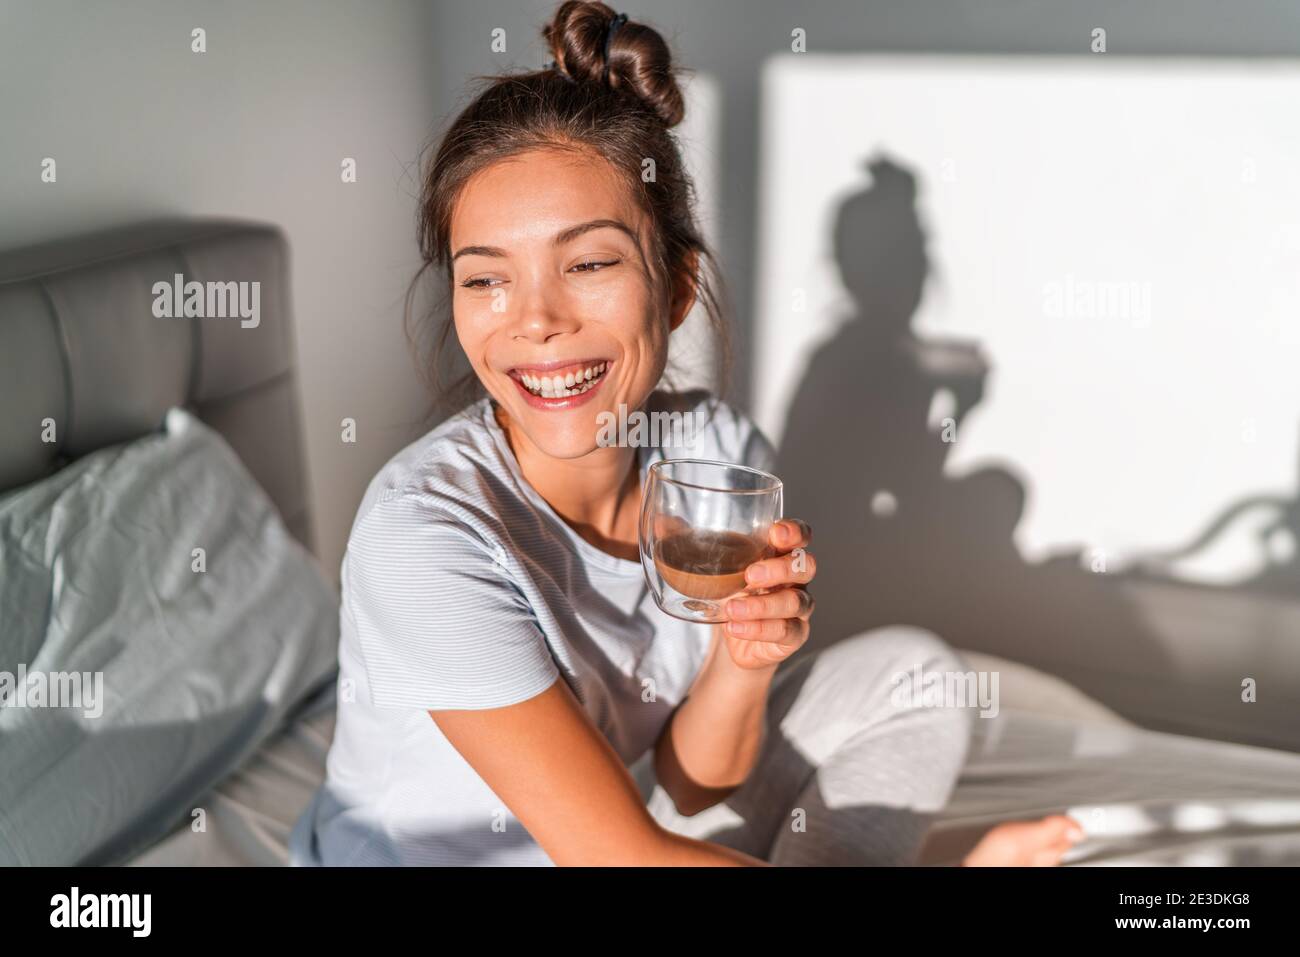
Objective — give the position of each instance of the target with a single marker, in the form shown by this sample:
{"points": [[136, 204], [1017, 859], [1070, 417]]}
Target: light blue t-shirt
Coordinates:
{"points": [[462, 588]]}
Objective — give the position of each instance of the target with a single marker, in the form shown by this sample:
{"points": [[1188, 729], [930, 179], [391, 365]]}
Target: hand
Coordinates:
{"points": [[762, 630]]}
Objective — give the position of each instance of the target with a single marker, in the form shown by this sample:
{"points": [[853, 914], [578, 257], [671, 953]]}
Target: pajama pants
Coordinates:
{"points": [[849, 773]]}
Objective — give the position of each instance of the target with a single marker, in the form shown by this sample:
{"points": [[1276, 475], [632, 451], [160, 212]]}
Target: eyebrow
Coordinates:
{"points": [[563, 236]]}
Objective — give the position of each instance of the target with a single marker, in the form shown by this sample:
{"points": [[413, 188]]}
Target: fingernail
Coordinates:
{"points": [[736, 627], [757, 573], [1074, 835], [737, 607]]}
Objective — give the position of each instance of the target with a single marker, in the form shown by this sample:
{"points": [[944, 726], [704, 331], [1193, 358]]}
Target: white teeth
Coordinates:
{"points": [[558, 387]]}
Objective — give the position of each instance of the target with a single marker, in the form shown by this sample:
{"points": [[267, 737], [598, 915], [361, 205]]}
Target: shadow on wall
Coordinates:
{"points": [[900, 542]]}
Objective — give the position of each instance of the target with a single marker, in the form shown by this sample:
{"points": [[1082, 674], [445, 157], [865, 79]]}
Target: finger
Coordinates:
{"points": [[792, 602], [786, 634], [797, 568], [768, 629], [775, 651], [788, 533]]}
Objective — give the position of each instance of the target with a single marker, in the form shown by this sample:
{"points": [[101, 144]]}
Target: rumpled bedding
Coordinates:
{"points": [[1144, 798], [200, 658]]}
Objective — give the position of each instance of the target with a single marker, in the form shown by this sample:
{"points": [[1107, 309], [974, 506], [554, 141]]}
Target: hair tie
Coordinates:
{"points": [[614, 24], [555, 67]]}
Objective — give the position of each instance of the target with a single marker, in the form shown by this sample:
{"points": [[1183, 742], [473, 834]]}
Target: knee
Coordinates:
{"points": [[862, 688], [918, 671], [901, 648]]}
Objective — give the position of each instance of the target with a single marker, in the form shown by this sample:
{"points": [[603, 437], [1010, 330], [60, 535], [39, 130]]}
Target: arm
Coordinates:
{"points": [[710, 744], [713, 739], [443, 629], [957, 366], [568, 787]]}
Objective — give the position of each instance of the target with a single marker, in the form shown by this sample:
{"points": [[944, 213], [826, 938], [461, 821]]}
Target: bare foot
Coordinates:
{"points": [[1026, 843]]}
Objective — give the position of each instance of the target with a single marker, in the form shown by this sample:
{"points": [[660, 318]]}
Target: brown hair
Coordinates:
{"points": [[620, 109]]}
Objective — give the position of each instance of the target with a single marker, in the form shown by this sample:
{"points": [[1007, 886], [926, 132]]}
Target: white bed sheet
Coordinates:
{"points": [[248, 816], [1144, 797]]}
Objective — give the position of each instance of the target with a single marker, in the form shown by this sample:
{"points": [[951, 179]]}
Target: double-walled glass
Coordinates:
{"points": [[702, 524]]}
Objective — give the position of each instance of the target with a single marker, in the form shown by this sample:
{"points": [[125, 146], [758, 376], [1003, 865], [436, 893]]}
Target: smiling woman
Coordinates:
{"points": [[558, 300], [592, 133], [505, 662]]}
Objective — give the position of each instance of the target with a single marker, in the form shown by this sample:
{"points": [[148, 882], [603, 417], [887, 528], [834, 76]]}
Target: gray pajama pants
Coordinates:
{"points": [[847, 774]]}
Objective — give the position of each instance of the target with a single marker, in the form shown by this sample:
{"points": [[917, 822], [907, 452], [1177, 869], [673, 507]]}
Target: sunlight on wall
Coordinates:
{"points": [[1120, 236]]}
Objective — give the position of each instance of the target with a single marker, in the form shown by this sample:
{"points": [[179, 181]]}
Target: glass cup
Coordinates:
{"points": [[702, 524]]}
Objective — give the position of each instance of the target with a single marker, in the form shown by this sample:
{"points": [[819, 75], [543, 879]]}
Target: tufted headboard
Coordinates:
{"points": [[80, 345]]}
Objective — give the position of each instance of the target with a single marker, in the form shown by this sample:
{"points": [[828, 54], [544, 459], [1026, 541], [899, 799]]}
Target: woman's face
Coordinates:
{"points": [[552, 299]]}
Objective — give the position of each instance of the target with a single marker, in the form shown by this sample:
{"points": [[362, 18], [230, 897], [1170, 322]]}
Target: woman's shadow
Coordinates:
{"points": [[898, 541]]}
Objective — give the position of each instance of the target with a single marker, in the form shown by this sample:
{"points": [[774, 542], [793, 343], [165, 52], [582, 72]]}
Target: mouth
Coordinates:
{"points": [[560, 385]]}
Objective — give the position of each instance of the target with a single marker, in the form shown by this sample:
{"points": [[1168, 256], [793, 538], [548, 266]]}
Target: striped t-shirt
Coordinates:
{"points": [[463, 588]]}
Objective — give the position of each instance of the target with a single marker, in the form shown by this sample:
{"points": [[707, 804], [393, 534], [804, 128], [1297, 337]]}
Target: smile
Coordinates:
{"points": [[559, 386], [573, 382]]}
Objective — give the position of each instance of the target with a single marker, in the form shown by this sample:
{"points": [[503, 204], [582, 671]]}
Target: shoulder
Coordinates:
{"points": [[434, 492], [712, 428]]}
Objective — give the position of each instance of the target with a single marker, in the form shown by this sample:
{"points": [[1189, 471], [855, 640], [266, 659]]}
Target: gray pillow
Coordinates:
{"points": [[198, 657]]}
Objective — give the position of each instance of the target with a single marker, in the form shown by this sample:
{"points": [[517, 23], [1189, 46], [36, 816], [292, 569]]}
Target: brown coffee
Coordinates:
{"points": [[707, 564]]}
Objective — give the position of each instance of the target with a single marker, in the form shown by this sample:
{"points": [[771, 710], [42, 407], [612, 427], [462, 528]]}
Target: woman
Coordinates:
{"points": [[502, 662]]}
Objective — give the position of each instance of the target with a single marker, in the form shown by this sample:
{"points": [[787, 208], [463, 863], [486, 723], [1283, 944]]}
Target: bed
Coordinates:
{"points": [[1145, 798], [155, 534], [75, 338]]}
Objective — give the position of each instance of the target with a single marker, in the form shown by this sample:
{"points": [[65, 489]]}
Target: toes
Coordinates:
{"points": [[1063, 829], [1047, 857], [1040, 843], [1062, 832]]}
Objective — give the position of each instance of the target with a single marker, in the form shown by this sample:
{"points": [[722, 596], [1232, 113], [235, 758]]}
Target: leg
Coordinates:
{"points": [[846, 775]]}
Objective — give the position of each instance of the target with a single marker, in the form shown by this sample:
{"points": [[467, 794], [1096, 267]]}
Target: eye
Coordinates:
{"points": [[476, 283], [596, 265]]}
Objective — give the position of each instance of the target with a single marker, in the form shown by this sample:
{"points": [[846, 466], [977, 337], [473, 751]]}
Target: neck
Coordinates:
{"points": [[597, 495]]}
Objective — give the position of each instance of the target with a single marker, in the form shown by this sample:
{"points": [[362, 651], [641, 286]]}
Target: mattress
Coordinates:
{"points": [[248, 816], [1143, 797]]}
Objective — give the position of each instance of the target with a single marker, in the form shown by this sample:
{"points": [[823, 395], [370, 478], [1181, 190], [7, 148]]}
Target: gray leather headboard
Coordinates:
{"points": [[80, 344]]}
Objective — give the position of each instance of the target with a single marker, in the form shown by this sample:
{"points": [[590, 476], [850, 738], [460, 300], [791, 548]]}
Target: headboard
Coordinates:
{"points": [[80, 344]]}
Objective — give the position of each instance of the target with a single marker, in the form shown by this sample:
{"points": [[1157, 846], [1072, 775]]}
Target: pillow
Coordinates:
{"points": [[135, 671]]}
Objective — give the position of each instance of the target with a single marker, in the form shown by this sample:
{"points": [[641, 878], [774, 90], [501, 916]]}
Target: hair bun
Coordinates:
{"points": [[640, 63]]}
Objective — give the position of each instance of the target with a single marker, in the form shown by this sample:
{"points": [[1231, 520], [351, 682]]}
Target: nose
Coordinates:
{"points": [[539, 312]]}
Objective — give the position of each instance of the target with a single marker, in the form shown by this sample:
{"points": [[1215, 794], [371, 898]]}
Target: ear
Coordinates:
{"points": [[684, 290]]}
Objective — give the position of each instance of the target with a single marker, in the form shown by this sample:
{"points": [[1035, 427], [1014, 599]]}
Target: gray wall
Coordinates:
{"points": [[254, 128], [140, 126], [1166, 654], [730, 38]]}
